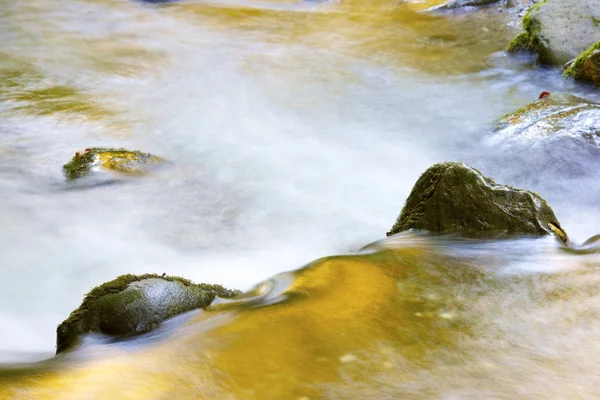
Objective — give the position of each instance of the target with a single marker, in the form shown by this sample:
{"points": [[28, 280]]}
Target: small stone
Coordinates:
{"points": [[118, 160]]}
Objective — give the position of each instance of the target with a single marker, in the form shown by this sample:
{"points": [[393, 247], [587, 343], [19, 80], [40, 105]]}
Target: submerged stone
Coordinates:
{"points": [[133, 304], [434, 5], [553, 117], [587, 66], [559, 30], [454, 198], [120, 160], [452, 4]]}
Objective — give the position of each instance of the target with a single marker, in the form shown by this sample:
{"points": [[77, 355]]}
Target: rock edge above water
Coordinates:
{"points": [[133, 304], [454, 198]]}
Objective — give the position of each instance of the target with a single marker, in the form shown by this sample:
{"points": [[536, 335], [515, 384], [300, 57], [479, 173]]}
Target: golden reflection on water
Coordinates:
{"points": [[382, 32], [25, 90], [129, 39], [413, 319], [410, 321]]}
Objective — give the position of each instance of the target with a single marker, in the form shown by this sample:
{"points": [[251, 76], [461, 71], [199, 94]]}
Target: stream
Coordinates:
{"points": [[295, 131]]}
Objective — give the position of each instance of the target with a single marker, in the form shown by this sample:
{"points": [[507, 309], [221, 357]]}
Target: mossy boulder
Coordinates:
{"points": [[554, 117], [454, 198], [587, 66], [133, 304], [559, 30], [119, 160]]}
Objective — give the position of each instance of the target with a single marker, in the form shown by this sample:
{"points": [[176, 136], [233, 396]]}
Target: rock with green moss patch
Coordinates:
{"points": [[133, 304], [587, 66], [559, 116], [119, 160], [454, 198], [559, 30]]}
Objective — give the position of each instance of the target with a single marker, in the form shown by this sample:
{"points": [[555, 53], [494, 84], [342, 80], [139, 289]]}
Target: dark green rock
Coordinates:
{"points": [[587, 66], [119, 160], [559, 30], [454, 198], [132, 304]]}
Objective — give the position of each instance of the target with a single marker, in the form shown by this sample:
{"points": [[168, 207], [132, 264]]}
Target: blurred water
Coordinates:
{"points": [[296, 131]]}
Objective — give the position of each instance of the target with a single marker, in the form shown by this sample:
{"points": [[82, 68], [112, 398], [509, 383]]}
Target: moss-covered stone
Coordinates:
{"points": [[558, 30], [120, 160], [132, 304], [454, 198], [520, 43], [559, 115], [587, 66]]}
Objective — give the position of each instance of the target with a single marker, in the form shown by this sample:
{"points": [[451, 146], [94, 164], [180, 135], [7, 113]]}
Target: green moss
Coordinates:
{"points": [[596, 21], [578, 70], [121, 160], [530, 39], [519, 43], [79, 165]]}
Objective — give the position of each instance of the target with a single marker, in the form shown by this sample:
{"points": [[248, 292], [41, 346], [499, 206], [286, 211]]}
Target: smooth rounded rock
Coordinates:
{"points": [[559, 30], [133, 304]]}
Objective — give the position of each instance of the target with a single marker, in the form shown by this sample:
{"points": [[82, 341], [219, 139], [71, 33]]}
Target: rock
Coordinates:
{"points": [[453, 4], [454, 198], [559, 30], [120, 160], [441, 5], [587, 66], [556, 116], [132, 304]]}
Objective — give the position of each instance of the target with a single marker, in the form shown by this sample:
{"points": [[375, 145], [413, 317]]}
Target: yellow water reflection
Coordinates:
{"points": [[25, 90], [412, 320]]}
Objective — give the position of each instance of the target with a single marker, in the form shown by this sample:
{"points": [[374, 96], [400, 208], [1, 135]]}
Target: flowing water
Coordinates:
{"points": [[296, 130]]}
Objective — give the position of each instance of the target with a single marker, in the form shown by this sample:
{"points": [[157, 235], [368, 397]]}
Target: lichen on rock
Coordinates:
{"points": [[587, 66], [454, 198], [133, 304], [114, 159], [558, 30]]}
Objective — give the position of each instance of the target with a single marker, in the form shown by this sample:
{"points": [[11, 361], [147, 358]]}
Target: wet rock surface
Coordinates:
{"points": [[454, 198], [559, 30], [454, 4], [133, 304], [552, 118], [586, 67], [113, 159]]}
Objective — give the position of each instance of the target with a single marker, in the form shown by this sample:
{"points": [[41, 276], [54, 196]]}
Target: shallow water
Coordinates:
{"points": [[296, 131]]}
